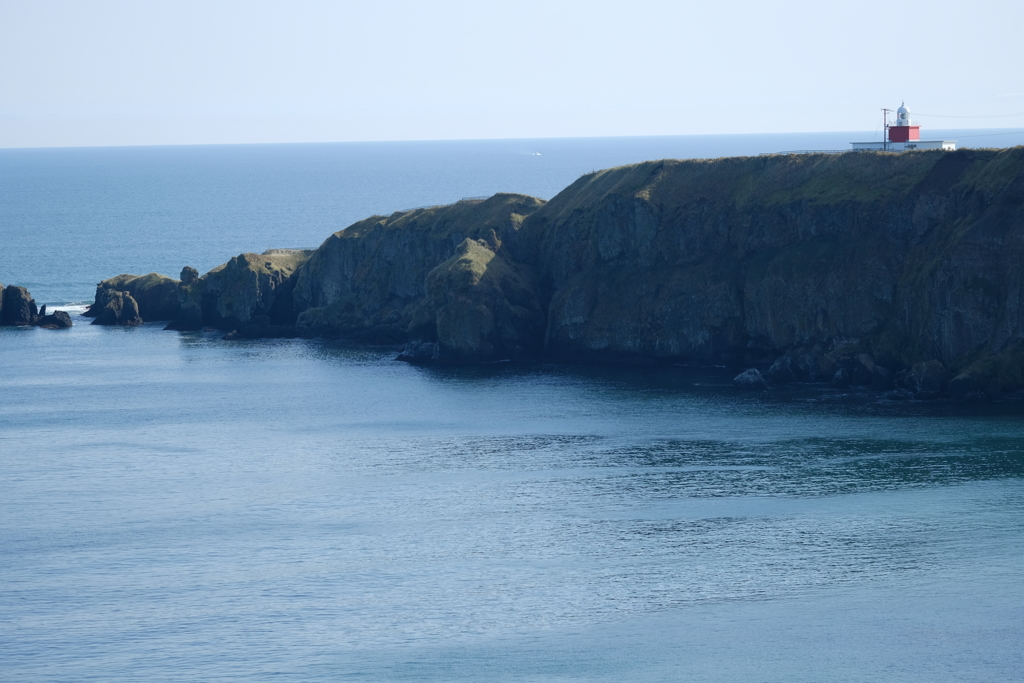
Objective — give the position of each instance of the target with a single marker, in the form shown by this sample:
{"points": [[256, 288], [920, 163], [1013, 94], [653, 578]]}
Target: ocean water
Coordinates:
{"points": [[177, 507]]}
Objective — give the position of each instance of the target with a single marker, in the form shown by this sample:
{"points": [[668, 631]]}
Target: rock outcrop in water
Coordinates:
{"points": [[58, 320], [154, 295], [243, 289], [18, 309], [114, 307], [896, 272], [231, 295], [750, 380]]}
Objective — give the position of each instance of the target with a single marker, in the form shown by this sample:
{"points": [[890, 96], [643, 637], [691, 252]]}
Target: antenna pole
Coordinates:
{"points": [[885, 129]]}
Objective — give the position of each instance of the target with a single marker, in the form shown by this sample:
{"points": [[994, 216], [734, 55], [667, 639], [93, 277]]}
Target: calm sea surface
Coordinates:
{"points": [[175, 507]]}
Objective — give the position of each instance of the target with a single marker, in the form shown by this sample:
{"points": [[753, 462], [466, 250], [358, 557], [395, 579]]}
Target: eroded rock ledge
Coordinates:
{"points": [[852, 268]]}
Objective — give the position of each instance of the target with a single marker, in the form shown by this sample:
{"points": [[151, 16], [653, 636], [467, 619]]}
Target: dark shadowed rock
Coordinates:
{"points": [[803, 364], [841, 379], [232, 295], [862, 369], [57, 320], [881, 379], [116, 308], [19, 308], [781, 371], [899, 395], [261, 327], [750, 380], [419, 351], [852, 367], [189, 275], [190, 302], [991, 374], [927, 379]]}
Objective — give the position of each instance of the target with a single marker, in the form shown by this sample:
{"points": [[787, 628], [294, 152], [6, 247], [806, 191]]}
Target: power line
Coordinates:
{"points": [[984, 116], [989, 135]]}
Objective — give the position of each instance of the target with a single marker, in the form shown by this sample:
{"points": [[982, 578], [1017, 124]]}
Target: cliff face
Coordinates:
{"points": [[916, 256], [482, 306], [134, 298], [247, 286], [369, 281], [229, 296]]}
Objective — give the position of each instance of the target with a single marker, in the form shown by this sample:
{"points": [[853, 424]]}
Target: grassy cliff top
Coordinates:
{"points": [[470, 216], [140, 282], [858, 177], [285, 261]]}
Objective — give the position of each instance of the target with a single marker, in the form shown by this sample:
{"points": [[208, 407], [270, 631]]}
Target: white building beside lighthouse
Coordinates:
{"points": [[902, 136]]}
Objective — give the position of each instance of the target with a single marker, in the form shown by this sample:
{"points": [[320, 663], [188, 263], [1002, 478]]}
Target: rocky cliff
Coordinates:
{"points": [[237, 293], [911, 258], [127, 299], [867, 264], [369, 281]]}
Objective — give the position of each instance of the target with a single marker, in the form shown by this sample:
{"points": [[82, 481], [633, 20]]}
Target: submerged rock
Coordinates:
{"points": [[750, 380]]}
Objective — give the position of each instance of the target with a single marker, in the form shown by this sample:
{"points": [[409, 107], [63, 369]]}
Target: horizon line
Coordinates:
{"points": [[1009, 131]]}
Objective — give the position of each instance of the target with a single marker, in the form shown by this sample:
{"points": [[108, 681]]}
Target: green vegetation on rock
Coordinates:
{"points": [[369, 281], [155, 295]]}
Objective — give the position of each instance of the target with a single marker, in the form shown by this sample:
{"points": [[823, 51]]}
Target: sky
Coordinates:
{"points": [[99, 72]]}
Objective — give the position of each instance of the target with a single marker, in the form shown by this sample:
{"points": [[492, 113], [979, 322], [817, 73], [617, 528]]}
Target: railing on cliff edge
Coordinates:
{"points": [[807, 151]]}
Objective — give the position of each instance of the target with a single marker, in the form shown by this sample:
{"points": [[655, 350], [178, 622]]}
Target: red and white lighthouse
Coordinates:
{"points": [[902, 136], [903, 130]]}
